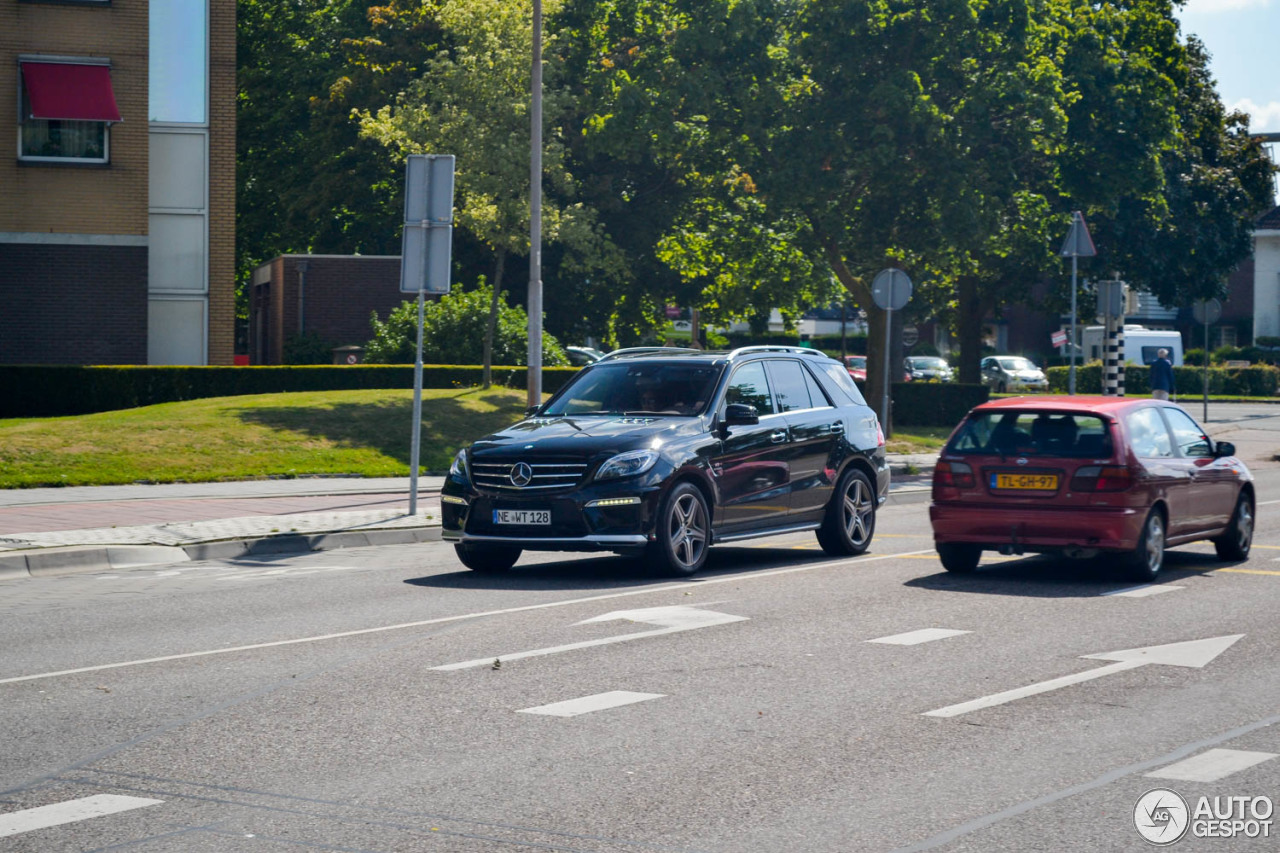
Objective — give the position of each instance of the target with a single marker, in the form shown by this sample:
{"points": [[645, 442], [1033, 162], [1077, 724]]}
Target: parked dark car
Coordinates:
{"points": [[661, 453], [928, 367], [1087, 475]]}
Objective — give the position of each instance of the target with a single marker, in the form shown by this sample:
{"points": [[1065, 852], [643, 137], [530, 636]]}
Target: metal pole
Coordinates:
{"points": [[535, 217], [417, 411], [1205, 419], [1071, 376], [888, 335]]}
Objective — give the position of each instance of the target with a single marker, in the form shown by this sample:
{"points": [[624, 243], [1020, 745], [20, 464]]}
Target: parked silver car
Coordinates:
{"points": [[1012, 373]]}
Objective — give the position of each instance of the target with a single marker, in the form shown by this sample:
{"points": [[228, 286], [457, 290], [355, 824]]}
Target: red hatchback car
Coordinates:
{"points": [[1081, 476]]}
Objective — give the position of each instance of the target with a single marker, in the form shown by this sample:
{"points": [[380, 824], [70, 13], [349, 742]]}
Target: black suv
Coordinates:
{"points": [[663, 452]]}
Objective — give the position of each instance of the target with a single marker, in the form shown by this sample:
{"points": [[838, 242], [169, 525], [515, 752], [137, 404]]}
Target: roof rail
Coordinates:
{"points": [[776, 348], [648, 350]]}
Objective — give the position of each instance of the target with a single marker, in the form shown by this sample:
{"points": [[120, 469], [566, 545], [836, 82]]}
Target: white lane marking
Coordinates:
{"points": [[738, 578], [71, 811], [587, 704], [1195, 653], [924, 635], [1267, 503], [1141, 591], [672, 619], [1212, 765]]}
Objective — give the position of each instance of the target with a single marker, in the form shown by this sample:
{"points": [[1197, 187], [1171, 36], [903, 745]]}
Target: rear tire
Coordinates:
{"points": [[1144, 562], [1238, 540], [850, 521], [488, 559], [959, 558]]}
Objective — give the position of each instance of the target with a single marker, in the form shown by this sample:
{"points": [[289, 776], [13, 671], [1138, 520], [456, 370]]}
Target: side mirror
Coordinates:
{"points": [[1223, 448], [740, 414]]}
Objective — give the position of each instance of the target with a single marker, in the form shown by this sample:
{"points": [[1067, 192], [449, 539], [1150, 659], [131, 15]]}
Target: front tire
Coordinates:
{"points": [[850, 521], [1238, 540], [959, 558], [1144, 562], [488, 559], [683, 532]]}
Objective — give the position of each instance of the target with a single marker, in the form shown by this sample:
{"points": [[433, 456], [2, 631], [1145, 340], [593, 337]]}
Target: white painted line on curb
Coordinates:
{"points": [[587, 704], [1212, 765], [1141, 591], [694, 584], [924, 635], [71, 811]]}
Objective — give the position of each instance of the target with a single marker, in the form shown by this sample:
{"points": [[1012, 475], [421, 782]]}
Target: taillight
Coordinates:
{"points": [[879, 435], [1102, 478], [953, 475]]}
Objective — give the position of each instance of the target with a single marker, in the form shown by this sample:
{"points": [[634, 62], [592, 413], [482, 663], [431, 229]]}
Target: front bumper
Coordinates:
{"points": [[578, 520], [1037, 529]]}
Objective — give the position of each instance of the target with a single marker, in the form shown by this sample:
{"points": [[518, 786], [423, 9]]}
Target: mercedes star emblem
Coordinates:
{"points": [[521, 474]]}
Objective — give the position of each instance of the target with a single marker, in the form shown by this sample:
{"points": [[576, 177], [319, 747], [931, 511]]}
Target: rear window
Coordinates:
{"points": [[840, 385], [1030, 433]]}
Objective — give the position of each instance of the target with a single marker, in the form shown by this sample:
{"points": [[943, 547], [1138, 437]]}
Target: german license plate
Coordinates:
{"points": [[1026, 482], [522, 516]]}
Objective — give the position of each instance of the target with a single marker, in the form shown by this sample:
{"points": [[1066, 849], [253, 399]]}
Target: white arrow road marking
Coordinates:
{"points": [[673, 619], [924, 635], [1195, 653], [587, 704], [1142, 591], [1212, 765], [69, 812]]}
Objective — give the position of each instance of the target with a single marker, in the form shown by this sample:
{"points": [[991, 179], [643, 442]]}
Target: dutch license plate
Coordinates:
{"points": [[1028, 482], [522, 516]]}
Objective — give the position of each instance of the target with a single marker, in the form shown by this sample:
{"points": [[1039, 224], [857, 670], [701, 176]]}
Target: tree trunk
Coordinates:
{"points": [[969, 319], [490, 329]]}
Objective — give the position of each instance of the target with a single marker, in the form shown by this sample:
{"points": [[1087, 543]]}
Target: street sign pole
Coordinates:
{"points": [[535, 216], [425, 256], [891, 291], [1077, 245], [1206, 311]]}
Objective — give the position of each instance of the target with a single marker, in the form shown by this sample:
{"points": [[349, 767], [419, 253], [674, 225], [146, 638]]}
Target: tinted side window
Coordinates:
{"points": [[817, 397], [789, 385], [844, 386], [1187, 435], [1148, 435], [748, 385]]}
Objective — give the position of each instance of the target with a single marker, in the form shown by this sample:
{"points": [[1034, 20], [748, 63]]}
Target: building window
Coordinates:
{"points": [[66, 108], [178, 62]]}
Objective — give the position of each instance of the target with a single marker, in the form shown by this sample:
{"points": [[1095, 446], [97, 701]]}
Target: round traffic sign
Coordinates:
{"points": [[1207, 311], [891, 290]]}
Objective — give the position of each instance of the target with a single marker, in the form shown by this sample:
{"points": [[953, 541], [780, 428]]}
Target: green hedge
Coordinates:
{"points": [[933, 403], [1258, 381], [46, 390]]}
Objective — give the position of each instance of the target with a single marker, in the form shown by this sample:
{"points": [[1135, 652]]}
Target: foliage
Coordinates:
{"points": [[308, 348], [933, 403], [54, 390], [453, 332], [1259, 381]]}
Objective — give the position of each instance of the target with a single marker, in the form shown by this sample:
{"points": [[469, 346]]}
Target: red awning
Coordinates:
{"points": [[59, 90]]}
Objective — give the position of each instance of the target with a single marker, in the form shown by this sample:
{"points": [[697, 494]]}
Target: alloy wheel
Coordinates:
{"points": [[687, 530], [858, 511]]}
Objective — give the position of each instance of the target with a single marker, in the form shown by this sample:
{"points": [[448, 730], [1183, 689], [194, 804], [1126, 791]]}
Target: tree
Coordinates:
{"points": [[453, 332], [473, 99]]}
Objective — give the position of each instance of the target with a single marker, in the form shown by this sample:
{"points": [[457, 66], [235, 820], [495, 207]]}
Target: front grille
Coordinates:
{"points": [[547, 476]]}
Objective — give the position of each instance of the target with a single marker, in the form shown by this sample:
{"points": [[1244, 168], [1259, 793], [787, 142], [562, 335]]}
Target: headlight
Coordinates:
{"points": [[627, 464], [459, 466]]}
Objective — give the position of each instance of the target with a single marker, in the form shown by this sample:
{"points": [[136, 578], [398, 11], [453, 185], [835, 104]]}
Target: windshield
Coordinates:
{"points": [[1016, 364], [858, 361], [638, 389], [925, 363], [1033, 434]]}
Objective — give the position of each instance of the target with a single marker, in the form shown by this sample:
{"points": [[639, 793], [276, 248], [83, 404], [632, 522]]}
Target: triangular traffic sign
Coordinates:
{"points": [[1078, 242]]}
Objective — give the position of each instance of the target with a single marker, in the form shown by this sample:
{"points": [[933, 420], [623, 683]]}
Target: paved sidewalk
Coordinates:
{"points": [[98, 528]]}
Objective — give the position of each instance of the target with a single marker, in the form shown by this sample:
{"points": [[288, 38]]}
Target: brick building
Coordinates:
{"points": [[328, 296], [117, 185]]}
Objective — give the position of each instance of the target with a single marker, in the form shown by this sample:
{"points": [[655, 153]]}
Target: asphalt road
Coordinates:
{"points": [[320, 702]]}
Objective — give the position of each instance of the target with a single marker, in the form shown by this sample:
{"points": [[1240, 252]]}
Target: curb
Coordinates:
{"points": [[54, 562]]}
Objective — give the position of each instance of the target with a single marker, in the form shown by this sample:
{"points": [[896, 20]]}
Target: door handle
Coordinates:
{"points": [[837, 427], [778, 437]]}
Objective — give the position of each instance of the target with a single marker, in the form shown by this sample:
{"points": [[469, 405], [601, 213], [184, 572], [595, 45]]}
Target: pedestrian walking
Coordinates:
{"points": [[1161, 375]]}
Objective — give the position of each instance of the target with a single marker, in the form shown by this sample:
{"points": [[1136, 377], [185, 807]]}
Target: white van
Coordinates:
{"points": [[1140, 344]]}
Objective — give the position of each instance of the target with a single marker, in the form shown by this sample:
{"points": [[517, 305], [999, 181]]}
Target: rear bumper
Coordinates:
{"points": [[1104, 528]]}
